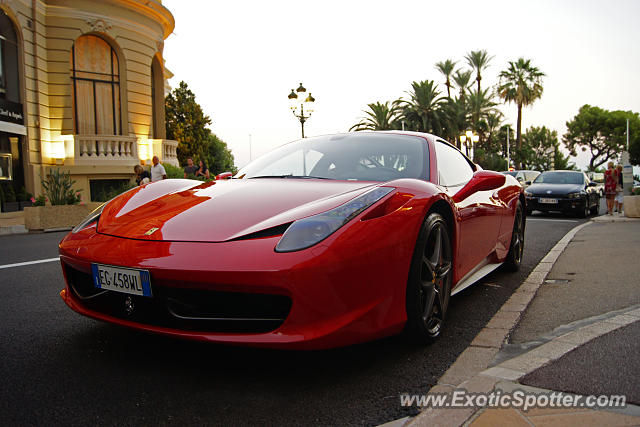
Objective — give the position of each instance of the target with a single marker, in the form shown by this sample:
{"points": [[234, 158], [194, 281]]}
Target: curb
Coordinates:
{"points": [[613, 218], [13, 229], [471, 369], [519, 366]]}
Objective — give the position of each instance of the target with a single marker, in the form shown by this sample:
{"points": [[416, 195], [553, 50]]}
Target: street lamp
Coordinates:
{"points": [[301, 107], [469, 138]]}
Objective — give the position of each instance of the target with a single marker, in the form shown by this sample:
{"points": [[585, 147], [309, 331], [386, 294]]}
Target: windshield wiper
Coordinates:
{"points": [[289, 176]]}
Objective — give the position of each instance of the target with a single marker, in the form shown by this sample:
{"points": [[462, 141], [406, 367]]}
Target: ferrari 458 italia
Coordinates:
{"points": [[324, 242]]}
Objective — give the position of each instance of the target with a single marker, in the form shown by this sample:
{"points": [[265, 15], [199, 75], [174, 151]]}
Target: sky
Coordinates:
{"points": [[241, 58]]}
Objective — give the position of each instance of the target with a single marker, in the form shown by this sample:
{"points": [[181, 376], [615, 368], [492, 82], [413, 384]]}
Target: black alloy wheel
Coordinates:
{"points": [[429, 286], [516, 249]]}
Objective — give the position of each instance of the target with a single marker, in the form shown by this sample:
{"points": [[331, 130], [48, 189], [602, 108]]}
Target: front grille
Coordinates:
{"points": [[184, 308]]}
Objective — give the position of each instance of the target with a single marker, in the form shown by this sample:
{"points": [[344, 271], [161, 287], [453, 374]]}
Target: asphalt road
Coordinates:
{"points": [[60, 368]]}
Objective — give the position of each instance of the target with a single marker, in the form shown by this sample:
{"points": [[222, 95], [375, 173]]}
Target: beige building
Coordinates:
{"points": [[82, 85]]}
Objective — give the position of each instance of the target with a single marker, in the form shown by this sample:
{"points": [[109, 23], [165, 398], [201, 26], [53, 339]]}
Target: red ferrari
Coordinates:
{"points": [[324, 242]]}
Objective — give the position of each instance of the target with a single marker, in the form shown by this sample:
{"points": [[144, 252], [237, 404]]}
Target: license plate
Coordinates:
{"points": [[120, 279], [552, 201]]}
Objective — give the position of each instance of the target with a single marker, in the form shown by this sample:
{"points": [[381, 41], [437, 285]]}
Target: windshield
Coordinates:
{"points": [[352, 156], [560, 178]]}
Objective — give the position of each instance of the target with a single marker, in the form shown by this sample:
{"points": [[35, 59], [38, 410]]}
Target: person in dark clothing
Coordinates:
{"points": [[202, 170], [190, 169], [142, 176]]}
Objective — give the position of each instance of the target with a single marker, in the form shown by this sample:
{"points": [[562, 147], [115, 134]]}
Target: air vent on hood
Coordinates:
{"points": [[269, 232]]}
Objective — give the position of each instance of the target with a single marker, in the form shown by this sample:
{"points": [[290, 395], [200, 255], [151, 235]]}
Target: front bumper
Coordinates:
{"points": [[348, 289], [562, 205]]}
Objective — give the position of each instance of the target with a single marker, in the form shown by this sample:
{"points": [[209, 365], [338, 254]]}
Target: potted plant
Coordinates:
{"points": [[64, 208], [632, 204]]}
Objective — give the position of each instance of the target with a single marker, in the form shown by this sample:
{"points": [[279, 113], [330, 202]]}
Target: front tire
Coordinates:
{"points": [[585, 211], [516, 249], [430, 278], [596, 207]]}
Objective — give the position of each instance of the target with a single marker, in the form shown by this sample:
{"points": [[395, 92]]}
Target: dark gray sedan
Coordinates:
{"points": [[563, 191]]}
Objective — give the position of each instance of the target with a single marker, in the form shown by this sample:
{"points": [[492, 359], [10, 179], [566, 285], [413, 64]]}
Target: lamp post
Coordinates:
{"points": [[301, 107], [469, 138]]}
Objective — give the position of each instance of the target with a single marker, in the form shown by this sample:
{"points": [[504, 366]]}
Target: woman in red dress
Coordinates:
{"points": [[610, 183]]}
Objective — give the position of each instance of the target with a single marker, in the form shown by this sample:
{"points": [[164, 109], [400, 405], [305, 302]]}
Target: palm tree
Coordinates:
{"points": [[462, 78], [378, 117], [478, 60], [454, 120], [423, 109], [446, 68], [480, 106], [520, 83]]}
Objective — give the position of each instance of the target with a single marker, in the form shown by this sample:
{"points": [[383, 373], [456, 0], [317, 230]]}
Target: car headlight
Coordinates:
{"points": [[528, 194], [576, 195], [309, 231], [90, 219]]}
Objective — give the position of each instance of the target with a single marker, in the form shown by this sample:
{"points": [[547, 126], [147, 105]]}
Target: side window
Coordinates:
{"points": [[453, 168]]}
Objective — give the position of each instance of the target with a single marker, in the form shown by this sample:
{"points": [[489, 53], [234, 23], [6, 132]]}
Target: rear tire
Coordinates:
{"points": [[429, 284], [516, 249]]}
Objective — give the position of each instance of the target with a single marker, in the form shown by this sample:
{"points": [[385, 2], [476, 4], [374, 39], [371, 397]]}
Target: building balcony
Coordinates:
{"points": [[115, 150]]}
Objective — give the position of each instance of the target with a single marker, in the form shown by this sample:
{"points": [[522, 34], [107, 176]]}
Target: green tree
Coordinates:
{"points": [[538, 150], [603, 134], [186, 123], [446, 68], [478, 60], [561, 162], [378, 117], [423, 109], [219, 158], [520, 83]]}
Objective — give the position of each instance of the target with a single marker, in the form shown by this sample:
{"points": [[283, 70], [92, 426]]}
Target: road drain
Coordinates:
{"points": [[556, 281]]}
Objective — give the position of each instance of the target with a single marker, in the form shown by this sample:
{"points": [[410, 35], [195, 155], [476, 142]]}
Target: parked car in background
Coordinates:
{"points": [[598, 178], [564, 191], [524, 177]]}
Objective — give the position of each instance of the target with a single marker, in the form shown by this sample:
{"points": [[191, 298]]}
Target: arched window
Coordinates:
{"points": [[96, 86], [157, 99], [9, 74]]}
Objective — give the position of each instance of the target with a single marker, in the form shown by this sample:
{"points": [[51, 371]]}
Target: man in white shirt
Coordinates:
{"points": [[157, 170]]}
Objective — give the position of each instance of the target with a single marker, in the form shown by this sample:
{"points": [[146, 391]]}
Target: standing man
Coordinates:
{"points": [[190, 169], [157, 170]]}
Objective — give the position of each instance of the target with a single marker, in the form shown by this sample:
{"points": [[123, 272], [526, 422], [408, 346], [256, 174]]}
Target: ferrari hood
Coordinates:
{"points": [[217, 211]]}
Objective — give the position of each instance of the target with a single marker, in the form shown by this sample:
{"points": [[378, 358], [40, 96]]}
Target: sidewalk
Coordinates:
{"points": [[12, 223], [572, 327]]}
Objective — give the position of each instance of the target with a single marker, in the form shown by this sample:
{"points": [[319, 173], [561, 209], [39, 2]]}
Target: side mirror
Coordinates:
{"points": [[481, 181], [527, 183], [224, 175]]}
